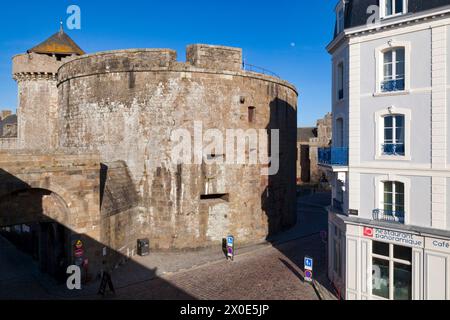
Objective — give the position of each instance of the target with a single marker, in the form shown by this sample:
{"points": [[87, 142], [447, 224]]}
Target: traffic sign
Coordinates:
{"points": [[230, 247], [230, 241], [308, 275], [309, 263]]}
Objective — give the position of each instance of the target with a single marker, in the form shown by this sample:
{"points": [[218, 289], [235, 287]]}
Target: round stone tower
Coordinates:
{"points": [[127, 104], [36, 75]]}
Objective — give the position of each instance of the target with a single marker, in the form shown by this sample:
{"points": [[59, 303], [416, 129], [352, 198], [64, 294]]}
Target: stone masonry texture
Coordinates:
{"points": [[122, 106]]}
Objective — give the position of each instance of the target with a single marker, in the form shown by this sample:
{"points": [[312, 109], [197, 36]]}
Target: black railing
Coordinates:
{"points": [[395, 149], [253, 68], [389, 216], [393, 85]]}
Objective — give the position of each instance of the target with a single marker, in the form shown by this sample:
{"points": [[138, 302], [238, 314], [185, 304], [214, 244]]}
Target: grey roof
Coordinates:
{"points": [[12, 119], [304, 134], [356, 10]]}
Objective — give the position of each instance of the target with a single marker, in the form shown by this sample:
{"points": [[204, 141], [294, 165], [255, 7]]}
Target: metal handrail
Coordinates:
{"points": [[253, 68], [393, 85], [393, 149]]}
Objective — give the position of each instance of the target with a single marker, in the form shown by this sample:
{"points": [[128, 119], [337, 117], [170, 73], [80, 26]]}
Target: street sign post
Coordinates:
{"points": [[308, 275], [230, 248], [308, 267], [78, 252], [309, 263]]}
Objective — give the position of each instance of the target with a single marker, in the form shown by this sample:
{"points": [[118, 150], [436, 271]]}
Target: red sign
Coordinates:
{"points": [[308, 275], [368, 232], [79, 253]]}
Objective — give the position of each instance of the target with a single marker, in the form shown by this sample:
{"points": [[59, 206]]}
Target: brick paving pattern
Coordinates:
{"points": [[260, 272]]}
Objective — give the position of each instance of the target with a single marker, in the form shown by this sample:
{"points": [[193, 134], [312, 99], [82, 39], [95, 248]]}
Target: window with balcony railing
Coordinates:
{"points": [[394, 135], [333, 156], [393, 70], [393, 209]]}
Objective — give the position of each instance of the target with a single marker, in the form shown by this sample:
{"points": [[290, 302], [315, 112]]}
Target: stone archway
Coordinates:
{"points": [[32, 205], [38, 220]]}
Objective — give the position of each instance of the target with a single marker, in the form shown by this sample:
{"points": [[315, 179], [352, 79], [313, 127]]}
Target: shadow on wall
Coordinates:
{"points": [[35, 240], [279, 198], [37, 221], [279, 201]]}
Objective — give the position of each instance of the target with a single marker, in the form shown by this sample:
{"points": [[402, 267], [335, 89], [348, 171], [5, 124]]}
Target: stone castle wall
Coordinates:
{"points": [[310, 160], [8, 144], [125, 104], [67, 188], [37, 110]]}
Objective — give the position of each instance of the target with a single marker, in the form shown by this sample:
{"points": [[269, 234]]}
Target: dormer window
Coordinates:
{"points": [[340, 20], [340, 16], [390, 8]]}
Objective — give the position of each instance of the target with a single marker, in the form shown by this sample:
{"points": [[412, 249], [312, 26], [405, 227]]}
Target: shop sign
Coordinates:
{"points": [[368, 232], [78, 244], [396, 237], [437, 244], [79, 253]]}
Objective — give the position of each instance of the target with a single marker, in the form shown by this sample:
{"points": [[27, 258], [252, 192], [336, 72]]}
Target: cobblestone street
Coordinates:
{"points": [[270, 270], [267, 273]]}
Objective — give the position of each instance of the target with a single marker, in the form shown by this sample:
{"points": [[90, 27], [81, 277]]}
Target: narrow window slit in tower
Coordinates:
{"points": [[215, 196], [213, 156], [251, 114]]}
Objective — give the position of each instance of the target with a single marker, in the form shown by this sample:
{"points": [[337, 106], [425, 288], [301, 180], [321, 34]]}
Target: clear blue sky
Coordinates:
{"points": [[287, 37]]}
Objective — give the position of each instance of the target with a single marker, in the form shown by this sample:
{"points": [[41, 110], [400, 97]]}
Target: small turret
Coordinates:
{"points": [[36, 76]]}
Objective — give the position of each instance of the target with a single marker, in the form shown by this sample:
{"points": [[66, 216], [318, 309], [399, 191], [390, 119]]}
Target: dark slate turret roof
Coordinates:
{"points": [[356, 10]]}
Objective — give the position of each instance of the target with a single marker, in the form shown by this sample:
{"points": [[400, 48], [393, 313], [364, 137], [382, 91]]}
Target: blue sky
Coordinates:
{"points": [[287, 37]]}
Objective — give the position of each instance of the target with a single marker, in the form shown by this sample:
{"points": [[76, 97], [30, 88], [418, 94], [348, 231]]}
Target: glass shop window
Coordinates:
{"points": [[391, 271]]}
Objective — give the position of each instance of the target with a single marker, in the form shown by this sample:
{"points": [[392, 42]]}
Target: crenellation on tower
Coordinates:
{"points": [[214, 57]]}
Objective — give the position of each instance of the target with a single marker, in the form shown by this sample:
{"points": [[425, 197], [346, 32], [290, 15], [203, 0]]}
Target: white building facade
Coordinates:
{"points": [[389, 165]]}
